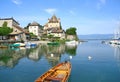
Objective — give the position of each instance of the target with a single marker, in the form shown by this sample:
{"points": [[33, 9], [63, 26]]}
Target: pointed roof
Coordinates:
{"points": [[53, 19]]}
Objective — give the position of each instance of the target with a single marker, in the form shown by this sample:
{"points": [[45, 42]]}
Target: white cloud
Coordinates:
{"points": [[100, 4], [51, 10], [103, 1], [17, 2], [72, 12]]}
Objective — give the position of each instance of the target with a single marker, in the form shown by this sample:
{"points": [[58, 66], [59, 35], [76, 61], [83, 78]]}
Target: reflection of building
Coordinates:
{"points": [[52, 53], [53, 59], [34, 54], [56, 49]]}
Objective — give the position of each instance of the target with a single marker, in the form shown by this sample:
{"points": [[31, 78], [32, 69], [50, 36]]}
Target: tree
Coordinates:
{"points": [[4, 30], [32, 35], [71, 31], [27, 26]]}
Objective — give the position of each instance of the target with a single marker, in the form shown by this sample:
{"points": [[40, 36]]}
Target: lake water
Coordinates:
{"points": [[26, 65]]}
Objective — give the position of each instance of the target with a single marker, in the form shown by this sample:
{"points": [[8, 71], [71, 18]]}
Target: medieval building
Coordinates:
{"points": [[53, 27]]}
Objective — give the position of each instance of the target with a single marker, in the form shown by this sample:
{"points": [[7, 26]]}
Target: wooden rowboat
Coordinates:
{"points": [[59, 73]]}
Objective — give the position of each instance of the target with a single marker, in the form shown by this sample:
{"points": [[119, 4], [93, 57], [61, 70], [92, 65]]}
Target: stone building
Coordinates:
{"points": [[53, 27], [18, 32]]}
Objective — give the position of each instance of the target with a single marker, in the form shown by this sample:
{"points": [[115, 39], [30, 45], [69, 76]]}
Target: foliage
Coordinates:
{"points": [[27, 26], [4, 30], [32, 35], [50, 36], [71, 31], [41, 27]]}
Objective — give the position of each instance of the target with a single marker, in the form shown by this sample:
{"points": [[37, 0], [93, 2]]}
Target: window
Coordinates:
{"points": [[15, 30]]}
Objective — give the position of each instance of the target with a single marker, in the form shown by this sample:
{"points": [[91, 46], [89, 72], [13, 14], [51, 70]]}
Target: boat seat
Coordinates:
{"points": [[53, 79]]}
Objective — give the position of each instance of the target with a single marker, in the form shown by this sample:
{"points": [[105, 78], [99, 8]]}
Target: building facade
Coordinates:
{"points": [[53, 27], [35, 28], [18, 33]]}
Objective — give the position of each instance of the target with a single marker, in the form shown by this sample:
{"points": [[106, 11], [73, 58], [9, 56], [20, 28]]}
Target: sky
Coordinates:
{"points": [[88, 16]]}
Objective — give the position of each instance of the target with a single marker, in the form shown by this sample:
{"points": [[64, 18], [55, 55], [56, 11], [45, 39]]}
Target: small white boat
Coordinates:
{"points": [[116, 39], [73, 42], [29, 44], [18, 45]]}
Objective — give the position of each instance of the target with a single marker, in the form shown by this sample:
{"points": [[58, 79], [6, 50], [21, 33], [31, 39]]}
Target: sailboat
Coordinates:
{"points": [[116, 39]]}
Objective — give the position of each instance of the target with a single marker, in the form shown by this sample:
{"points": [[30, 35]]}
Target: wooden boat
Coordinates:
{"points": [[59, 73], [2, 46]]}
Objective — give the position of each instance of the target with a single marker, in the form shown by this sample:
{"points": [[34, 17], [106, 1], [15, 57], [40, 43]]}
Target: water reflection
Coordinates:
{"points": [[71, 50], [117, 53], [10, 57]]}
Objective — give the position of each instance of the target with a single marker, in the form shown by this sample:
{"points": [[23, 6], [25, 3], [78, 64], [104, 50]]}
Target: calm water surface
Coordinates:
{"points": [[25, 65]]}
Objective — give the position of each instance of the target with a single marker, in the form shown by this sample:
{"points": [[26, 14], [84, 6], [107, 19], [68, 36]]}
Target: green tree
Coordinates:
{"points": [[71, 31], [4, 30], [32, 35]]}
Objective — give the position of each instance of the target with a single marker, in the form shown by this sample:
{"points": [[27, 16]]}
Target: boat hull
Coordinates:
{"points": [[59, 73]]}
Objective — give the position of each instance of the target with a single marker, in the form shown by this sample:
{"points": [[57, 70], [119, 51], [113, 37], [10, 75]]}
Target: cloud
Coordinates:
{"points": [[100, 4], [51, 10], [103, 1], [72, 12], [17, 2]]}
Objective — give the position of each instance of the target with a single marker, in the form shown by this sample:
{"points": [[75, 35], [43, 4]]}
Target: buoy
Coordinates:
{"points": [[52, 55], [89, 57], [70, 57]]}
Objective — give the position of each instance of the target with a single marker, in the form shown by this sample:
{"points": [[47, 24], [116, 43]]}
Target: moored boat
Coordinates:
{"points": [[2, 46], [59, 73], [53, 43], [73, 42], [18, 45]]}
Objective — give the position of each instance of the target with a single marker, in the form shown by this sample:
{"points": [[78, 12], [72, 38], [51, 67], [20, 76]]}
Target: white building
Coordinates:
{"points": [[35, 28]]}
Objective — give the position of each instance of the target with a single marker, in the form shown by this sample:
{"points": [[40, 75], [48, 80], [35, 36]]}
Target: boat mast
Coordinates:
{"points": [[119, 30]]}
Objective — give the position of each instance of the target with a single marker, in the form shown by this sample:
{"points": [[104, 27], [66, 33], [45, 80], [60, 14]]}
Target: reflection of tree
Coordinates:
{"points": [[71, 50], [10, 57], [5, 58]]}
